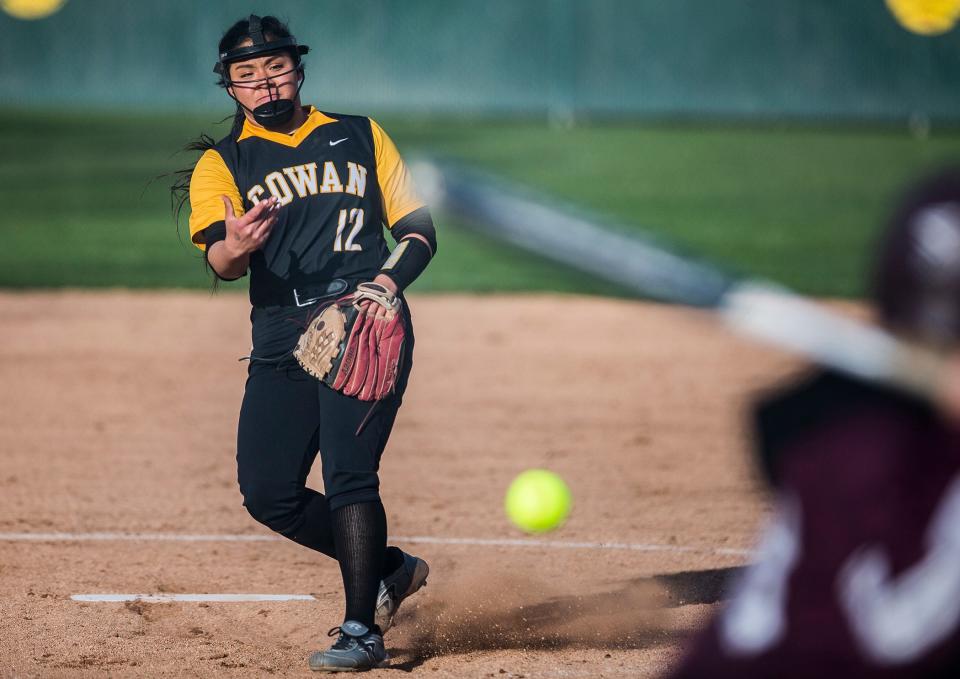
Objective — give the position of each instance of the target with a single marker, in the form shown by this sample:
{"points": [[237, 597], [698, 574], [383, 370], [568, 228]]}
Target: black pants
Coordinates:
{"points": [[287, 417]]}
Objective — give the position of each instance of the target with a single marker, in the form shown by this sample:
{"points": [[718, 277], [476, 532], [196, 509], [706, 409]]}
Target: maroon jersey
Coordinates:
{"points": [[858, 573]]}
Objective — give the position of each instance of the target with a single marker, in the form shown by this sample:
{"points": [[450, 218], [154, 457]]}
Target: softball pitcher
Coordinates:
{"points": [[298, 198]]}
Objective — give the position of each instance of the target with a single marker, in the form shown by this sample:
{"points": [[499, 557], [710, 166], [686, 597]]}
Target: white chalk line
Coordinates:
{"points": [[168, 598], [531, 543]]}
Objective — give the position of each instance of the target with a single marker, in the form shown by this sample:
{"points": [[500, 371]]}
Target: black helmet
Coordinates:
{"points": [[278, 111], [259, 47], [916, 282]]}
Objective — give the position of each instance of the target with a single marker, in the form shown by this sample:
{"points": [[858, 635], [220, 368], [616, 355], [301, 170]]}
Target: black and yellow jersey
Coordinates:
{"points": [[338, 180]]}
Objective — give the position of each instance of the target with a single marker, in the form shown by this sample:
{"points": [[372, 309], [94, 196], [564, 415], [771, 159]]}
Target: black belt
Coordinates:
{"points": [[302, 295]]}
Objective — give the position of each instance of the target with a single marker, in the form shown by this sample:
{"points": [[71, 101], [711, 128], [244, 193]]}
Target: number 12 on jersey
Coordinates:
{"points": [[353, 216]]}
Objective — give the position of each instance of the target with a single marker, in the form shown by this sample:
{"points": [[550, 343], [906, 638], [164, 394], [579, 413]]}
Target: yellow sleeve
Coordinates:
{"points": [[211, 179], [396, 185]]}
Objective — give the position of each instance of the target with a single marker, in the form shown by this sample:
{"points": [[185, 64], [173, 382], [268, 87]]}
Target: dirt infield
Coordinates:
{"points": [[119, 412]]}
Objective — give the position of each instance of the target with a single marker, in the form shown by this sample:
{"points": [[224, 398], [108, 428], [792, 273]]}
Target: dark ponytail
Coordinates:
{"points": [[180, 188]]}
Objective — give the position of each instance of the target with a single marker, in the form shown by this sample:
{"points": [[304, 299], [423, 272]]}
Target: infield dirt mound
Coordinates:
{"points": [[118, 413]]}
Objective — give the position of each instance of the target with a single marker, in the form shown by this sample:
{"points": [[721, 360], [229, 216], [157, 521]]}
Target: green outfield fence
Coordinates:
{"points": [[563, 59]]}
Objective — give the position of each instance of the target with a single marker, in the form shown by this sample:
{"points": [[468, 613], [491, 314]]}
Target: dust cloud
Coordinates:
{"points": [[494, 610]]}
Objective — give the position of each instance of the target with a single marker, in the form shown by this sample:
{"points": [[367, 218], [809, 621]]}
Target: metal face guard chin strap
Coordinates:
{"points": [[276, 112]]}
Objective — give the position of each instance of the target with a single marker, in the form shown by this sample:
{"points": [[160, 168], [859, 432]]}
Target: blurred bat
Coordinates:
{"points": [[642, 265]]}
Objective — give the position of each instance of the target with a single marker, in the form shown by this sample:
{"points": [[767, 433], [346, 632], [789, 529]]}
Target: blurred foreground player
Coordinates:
{"points": [[858, 574], [299, 198]]}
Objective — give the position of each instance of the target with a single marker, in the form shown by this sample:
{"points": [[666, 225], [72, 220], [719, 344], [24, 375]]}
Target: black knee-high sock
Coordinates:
{"points": [[360, 535], [316, 532]]}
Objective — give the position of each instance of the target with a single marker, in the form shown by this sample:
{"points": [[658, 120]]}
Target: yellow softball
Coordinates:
{"points": [[538, 501], [31, 9], [926, 17]]}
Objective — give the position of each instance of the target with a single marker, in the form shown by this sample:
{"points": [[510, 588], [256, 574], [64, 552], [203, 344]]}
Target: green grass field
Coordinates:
{"points": [[83, 206]]}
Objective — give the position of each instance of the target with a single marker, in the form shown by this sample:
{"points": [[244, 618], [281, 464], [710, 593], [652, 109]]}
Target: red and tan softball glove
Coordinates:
{"points": [[355, 346]]}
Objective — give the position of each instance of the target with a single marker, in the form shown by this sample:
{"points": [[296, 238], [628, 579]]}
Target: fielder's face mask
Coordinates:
{"points": [[276, 112]]}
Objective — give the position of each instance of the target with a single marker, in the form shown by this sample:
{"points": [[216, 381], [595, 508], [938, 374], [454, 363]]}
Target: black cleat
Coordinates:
{"points": [[357, 649], [397, 586]]}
